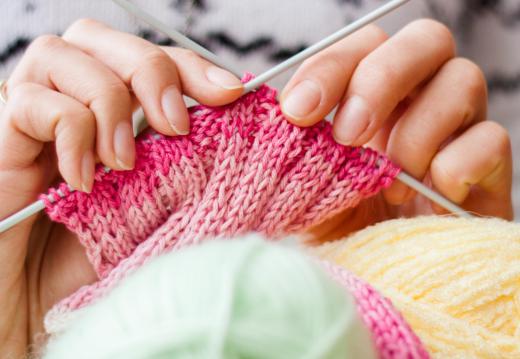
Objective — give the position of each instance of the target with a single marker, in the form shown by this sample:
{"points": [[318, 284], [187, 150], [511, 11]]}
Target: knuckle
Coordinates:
{"points": [[377, 33], [436, 31], [81, 25], [470, 76], [471, 89], [498, 135], [153, 56], [447, 170], [45, 43], [370, 72], [79, 115], [73, 118], [188, 54], [312, 61], [152, 60], [112, 92], [21, 92]]}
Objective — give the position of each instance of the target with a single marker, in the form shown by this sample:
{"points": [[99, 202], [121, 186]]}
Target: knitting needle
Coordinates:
{"points": [[301, 56], [432, 195], [188, 43], [323, 44], [402, 176], [21, 215], [176, 36]]}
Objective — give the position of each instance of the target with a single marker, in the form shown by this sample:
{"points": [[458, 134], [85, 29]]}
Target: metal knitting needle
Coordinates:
{"points": [[323, 44], [298, 58], [176, 36], [189, 44]]}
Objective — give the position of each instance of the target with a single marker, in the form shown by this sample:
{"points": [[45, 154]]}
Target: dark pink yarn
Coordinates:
{"points": [[242, 168]]}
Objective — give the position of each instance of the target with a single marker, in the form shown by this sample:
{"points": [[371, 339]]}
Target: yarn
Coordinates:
{"points": [[456, 281], [242, 168], [262, 301], [391, 335]]}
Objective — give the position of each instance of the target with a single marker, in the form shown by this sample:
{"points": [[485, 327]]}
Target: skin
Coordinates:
{"points": [[71, 98]]}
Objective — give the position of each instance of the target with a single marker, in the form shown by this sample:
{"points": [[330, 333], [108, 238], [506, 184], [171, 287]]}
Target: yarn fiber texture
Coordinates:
{"points": [[242, 168], [241, 307], [456, 281], [264, 301]]}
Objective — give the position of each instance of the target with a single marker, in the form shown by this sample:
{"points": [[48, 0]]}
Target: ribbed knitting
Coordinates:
{"points": [[242, 168], [392, 336]]}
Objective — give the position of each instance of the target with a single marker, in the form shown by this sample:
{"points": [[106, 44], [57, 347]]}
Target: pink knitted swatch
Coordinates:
{"points": [[392, 336], [242, 168]]}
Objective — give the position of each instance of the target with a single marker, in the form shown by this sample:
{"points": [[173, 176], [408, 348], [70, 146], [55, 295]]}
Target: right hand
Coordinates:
{"points": [[70, 101]]}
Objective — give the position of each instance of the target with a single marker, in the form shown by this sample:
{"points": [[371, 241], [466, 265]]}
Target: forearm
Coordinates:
{"points": [[13, 289], [13, 317]]}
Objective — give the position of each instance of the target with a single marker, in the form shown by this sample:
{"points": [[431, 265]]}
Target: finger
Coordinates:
{"points": [[34, 115], [52, 62], [318, 85], [388, 75], [453, 100], [203, 81], [154, 76], [475, 170]]}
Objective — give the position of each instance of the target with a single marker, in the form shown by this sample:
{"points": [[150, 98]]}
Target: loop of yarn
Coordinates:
{"points": [[264, 301], [242, 168], [456, 281]]}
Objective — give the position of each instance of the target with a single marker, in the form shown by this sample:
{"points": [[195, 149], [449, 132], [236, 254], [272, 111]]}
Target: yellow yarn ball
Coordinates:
{"points": [[456, 281]]}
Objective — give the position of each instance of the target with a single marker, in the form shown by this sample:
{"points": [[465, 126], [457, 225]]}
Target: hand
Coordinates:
{"points": [[77, 93], [408, 96]]}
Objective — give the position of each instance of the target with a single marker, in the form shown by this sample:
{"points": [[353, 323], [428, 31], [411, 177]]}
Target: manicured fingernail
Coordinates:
{"points": [[124, 146], [352, 120], [302, 99], [174, 110], [87, 171], [223, 78]]}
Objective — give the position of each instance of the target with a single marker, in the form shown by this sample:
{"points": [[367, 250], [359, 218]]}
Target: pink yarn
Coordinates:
{"points": [[242, 168], [392, 336]]}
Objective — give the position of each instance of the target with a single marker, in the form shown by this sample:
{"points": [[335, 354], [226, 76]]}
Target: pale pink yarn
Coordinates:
{"points": [[242, 168]]}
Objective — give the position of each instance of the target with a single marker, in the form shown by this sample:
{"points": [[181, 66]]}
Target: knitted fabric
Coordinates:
{"points": [[392, 336], [242, 168]]}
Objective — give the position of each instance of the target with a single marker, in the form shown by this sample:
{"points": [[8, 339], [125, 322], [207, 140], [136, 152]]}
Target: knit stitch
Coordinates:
{"points": [[391, 334], [242, 168]]}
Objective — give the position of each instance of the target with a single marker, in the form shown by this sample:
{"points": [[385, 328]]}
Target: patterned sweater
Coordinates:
{"points": [[253, 35]]}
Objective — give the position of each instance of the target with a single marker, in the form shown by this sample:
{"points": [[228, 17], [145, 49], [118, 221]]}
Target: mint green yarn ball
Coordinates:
{"points": [[242, 298]]}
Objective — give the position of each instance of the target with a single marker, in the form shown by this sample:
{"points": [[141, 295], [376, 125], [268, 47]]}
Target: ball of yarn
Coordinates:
{"points": [[456, 281], [223, 299]]}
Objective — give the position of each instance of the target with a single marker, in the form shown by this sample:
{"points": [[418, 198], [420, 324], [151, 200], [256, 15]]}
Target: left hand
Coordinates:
{"points": [[411, 98]]}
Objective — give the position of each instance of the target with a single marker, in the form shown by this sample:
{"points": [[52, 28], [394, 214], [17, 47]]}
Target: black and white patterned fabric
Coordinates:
{"points": [[253, 35]]}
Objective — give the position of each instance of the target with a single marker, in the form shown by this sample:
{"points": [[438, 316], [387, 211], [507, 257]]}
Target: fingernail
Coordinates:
{"points": [[302, 99], [87, 171], [174, 110], [352, 120], [124, 146], [223, 78]]}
